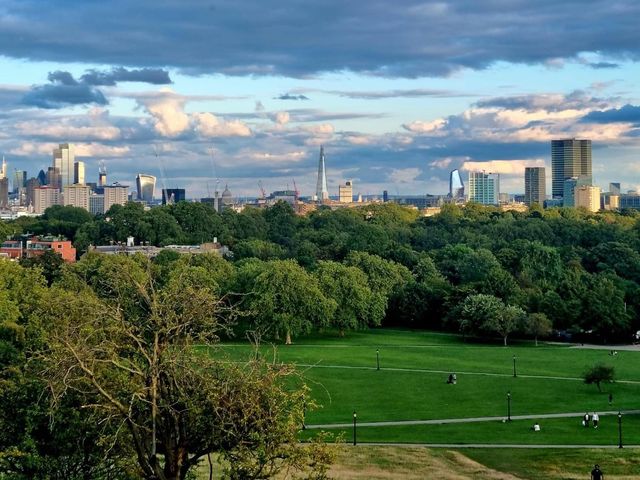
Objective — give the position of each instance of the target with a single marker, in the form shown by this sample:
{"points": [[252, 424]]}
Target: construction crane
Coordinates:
{"points": [[263, 194], [296, 192]]}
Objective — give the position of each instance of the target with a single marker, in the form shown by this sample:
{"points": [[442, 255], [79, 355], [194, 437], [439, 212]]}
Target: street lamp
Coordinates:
{"points": [[514, 367], [354, 428], [508, 406], [619, 430], [377, 359]]}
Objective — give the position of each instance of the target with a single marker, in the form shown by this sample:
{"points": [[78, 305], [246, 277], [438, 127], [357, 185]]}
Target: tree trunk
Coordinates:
{"points": [[341, 333], [505, 340], [288, 338], [536, 340]]}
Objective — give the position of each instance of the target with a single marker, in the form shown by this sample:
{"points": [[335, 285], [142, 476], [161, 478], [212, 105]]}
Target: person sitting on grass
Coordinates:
{"points": [[536, 427]]}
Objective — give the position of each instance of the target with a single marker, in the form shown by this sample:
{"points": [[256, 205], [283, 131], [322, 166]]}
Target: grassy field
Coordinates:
{"points": [[411, 385]]}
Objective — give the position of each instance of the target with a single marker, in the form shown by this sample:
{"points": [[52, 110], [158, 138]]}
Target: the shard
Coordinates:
{"points": [[456, 187], [322, 192]]}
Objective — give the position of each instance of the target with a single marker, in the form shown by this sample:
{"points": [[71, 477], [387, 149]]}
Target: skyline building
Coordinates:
{"points": [[115, 194], [77, 196], [102, 175], [535, 185], [175, 195], [587, 196], [19, 180], [484, 188], [322, 192], [3, 168], [4, 192], [456, 185], [569, 158], [78, 173], [345, 192], [45, 197], [570, 186], [614, 188], [145, 186], [32, 184], [64, 160]]}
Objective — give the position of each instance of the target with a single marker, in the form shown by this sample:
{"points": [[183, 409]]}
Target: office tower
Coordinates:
{"points": [[3, 168], [146, 185], [96, 204], [115, 194], [484, 188], [78, 173], [456, 186], [569, 158], [42, 177], [32, 184], [19, 180], [322, 193], [4, 192], [345, 192], [45, 197], [385, 196], [535, 185], [77, 196], [102, 175], [587, 196], [614, 188], [53, 178], [175, 195], [570, 186], [63, 160]]}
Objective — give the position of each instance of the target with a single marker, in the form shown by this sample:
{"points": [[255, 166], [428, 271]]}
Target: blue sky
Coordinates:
{"points": [[399, 93]]}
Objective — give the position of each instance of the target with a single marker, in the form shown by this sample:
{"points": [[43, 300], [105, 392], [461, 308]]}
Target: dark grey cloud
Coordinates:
{"points": [[603, 65], [290, 96], [153, 76], [578, 100], [625, 114], [59, 95], [406, 38]]}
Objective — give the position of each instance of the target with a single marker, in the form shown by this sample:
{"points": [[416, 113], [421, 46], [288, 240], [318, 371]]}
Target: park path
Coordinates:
{"points": [[486, 445], [442, 421], [447, 372]]}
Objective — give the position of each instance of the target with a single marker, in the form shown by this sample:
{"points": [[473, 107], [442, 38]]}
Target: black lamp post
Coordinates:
{"points": [[354, 428], [514, 367], [377, 359], [619, 430], [508, 406]]}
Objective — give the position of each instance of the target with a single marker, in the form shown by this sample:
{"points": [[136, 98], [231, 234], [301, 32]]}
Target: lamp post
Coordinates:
{"points": [[619, 430], [508, 406], [377, 359], [354, 428], [514, 367]]}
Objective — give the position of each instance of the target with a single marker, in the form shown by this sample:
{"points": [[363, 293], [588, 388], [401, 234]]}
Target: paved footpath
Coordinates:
{"points": [[442, 421], [485, 445]]}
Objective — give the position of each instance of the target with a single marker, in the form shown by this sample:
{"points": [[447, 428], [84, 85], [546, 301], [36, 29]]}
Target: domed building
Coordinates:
{"points": [[227, 197]]}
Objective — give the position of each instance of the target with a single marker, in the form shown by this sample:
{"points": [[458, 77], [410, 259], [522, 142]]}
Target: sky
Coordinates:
{"points": [[203, 94]]}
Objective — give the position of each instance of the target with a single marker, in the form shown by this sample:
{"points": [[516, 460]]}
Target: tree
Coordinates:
{"points": [[358, 306], [172, 404], [476, 310], [538, 325], [505, 322], [49, 262], [599, 373]]}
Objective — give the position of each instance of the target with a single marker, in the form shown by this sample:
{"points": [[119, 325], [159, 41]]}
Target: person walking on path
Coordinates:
{"points": [[596, 473], [585, 420], [596, 418]]}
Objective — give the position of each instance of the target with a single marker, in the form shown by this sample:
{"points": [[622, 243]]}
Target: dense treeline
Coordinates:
{"points": [[475, 269]]}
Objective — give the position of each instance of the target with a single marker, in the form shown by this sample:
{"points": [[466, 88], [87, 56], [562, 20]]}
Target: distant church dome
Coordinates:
{"points": [[227, 197]]}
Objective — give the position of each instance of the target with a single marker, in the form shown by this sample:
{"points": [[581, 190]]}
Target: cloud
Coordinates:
{"points": [[431, 127], [404, 175], [208, 125], [289, 96], [627, 113], [390, 42], [153, 76], [603, 65], [409, 93], [281, 118], [59, 95], [167, 109], [503, 167]]}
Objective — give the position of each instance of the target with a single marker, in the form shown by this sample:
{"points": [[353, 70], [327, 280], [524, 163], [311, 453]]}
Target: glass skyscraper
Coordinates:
{"points": [[535, 188], [569, 158]]}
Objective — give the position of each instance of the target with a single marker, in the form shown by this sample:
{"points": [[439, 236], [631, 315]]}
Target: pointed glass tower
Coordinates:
{"points": [[322, 193]]}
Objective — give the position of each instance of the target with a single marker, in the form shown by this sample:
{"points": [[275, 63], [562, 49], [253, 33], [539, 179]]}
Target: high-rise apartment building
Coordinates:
{"points": [[146, 185], [77, 196], [345, 192], [569, 158], [587, 196], [115, 194], [32, 184], [484, 188], [45, 197], [322, 192], [535, 186], [63, 160], [4, 192], [456, 186], [78, 173]]}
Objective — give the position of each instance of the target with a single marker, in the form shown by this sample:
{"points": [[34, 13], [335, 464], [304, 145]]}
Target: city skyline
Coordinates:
{"points": [[397, 109]]}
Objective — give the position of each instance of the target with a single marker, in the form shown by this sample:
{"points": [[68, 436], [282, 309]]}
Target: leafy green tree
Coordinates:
{"points": [[50, 263], [505, 322], [598, 374], [358, 306], [476, 310], [262, 249], [538, 325], [281, 223]]}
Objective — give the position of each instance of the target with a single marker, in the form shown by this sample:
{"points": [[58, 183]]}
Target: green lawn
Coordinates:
{"points": [[411, 384]]}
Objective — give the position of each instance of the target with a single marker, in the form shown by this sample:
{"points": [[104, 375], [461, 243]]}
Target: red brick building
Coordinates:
{"points": [[35, 246]]}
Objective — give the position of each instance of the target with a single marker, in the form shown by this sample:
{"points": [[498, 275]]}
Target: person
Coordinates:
{"points": [[596, 418], [585, 420], [450, 380], [596, 473], [455, 379], [536, 427], [610, 398]]}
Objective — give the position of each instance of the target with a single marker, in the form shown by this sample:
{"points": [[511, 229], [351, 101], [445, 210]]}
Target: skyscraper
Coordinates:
{"points": [[4, 192], [614, 188], [484, 188], [535, 187], [102, 175], [569, 158], [456, 186], [3, 168], [146, 185], [78, 173], [63, 160], [19, 180], [322, 192]]}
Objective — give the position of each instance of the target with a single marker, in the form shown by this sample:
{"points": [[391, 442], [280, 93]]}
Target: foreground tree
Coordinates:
{"points": [[538, 325], [138, 370], [599, 373]]}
